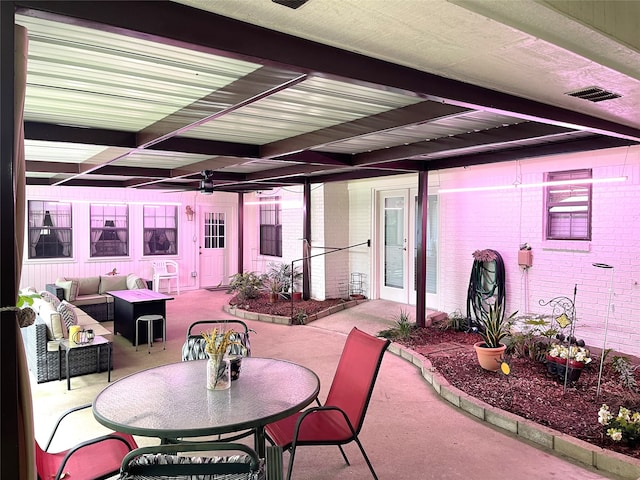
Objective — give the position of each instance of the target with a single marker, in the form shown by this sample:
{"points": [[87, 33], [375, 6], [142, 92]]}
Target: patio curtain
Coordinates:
{"points": [[25, 434], [37, 217], [171, 236], [63, 234]]}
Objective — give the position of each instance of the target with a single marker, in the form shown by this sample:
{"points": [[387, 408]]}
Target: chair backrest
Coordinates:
{"points": [[194, 345], [164, 267], [164, 461], [356, 374]]}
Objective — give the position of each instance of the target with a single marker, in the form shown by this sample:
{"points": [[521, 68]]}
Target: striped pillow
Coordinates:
{"points": [[68, 314]]}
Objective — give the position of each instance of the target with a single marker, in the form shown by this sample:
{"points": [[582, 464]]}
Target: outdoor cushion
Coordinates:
{"points": [[164, 459], [70, 288], [88, 285], [91, 299], [115, 282], [52, 319]]}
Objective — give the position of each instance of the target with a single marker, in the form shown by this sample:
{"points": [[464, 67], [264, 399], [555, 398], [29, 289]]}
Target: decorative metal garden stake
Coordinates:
{"points": [[606, 322]]}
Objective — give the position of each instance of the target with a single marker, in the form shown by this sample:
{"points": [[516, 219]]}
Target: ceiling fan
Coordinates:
{"points": [[206, 184]]}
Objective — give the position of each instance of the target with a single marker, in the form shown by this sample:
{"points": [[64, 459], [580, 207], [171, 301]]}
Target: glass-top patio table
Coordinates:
{"points": [[172, 401]]}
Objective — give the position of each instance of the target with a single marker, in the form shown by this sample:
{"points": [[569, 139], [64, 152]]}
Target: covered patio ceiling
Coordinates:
{"points": [[153, 94]]}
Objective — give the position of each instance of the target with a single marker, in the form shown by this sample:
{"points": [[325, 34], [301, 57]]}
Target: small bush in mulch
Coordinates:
{"points": [[282, 307]]}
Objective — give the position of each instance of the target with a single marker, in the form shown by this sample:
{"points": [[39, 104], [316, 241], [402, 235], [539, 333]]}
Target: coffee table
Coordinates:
{"points": [[128, 305], [172, 401], [83, 349]]}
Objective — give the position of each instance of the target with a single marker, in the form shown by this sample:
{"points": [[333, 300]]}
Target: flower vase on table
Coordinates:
{"points": [[218, 372]]}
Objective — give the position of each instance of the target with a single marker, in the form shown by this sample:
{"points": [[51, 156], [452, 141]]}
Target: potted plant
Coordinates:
{"points": [[572, 357], [288, 276], [493, 327], [274, 288]]}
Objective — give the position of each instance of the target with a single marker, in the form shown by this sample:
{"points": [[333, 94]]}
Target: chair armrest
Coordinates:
{"points": [[57, 291], [103, 438], [62, 417], [312, 410]]}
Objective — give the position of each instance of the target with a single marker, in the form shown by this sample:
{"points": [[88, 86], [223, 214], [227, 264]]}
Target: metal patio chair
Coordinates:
{"points": [[97, 458], [194, 345], [340, 419], [177, 462]]}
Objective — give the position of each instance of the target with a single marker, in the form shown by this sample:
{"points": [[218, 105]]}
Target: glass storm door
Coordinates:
{"points": [[399, 247], [394, 234]]}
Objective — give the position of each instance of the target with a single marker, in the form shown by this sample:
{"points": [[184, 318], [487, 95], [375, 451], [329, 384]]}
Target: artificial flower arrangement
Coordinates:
{"points": [[626, 426], [219, 370], [218, 342], [572, 352]]}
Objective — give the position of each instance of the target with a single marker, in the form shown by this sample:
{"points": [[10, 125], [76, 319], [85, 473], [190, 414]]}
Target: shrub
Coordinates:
{"points": [[246, 285]]}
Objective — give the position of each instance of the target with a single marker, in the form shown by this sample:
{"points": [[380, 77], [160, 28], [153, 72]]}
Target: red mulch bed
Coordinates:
{"points": [[529, 391], [283, 306]]}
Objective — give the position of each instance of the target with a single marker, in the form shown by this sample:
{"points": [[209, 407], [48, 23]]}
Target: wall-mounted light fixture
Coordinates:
{"points": [[285, 204], [517, 185], [189, 212]]}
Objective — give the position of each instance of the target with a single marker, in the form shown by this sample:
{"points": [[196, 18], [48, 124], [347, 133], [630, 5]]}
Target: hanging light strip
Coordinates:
{"points": [[516, 185], [282, 203]]}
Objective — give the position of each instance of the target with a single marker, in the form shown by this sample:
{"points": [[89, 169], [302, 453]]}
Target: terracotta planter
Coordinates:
{"points": [[489, 358], [273, 297], [297, 296]]}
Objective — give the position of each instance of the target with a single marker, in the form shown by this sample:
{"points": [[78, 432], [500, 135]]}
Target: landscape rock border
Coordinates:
{"points": [[541, 436]]}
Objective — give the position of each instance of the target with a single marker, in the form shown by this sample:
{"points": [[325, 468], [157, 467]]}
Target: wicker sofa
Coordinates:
{"points": [[42, 339], [89, 293]]}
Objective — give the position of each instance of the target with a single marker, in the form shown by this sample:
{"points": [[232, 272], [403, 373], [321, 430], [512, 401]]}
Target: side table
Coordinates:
{"points": [[84, 352]]}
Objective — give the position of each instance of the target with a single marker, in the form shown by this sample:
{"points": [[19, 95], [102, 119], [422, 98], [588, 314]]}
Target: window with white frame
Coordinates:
{"points": [[50, 229], [160, 225], [568, 205], [109, 230], [270, 227], [214, 230]]}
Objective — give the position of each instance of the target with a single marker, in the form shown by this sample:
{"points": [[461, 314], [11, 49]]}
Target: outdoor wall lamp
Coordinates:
{"points": [[189, 212]]}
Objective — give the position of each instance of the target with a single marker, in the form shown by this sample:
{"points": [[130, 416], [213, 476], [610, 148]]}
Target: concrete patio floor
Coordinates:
{"points": [[409, 431]]}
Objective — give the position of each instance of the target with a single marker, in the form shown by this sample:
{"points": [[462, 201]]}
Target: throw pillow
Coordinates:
{"points": [[56, 327], [116, 282], [49, 297], [68, 314], [134, 282], [70, 288]]}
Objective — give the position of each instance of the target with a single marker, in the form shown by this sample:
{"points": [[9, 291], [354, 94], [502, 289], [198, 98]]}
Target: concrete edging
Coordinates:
{"points": [[562, 444]]}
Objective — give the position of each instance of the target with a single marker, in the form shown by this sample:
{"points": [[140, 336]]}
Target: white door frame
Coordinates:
{"points": [[406, 294], [223, 257]]}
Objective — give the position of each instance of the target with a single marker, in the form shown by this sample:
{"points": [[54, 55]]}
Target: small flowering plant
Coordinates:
{"points": [[573, 352], [626, 426]]}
